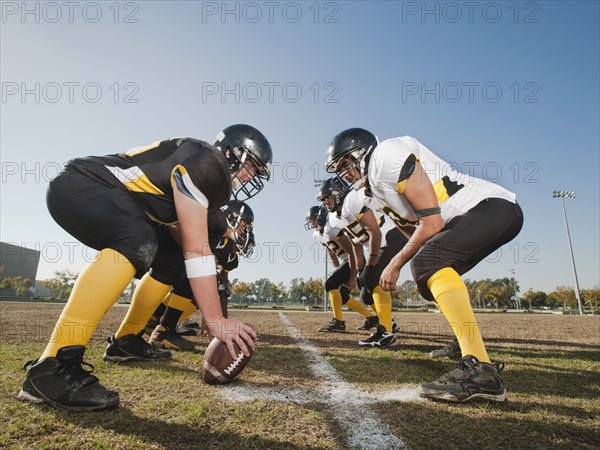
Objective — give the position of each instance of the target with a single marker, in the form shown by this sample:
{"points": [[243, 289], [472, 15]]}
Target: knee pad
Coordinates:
{"points": [[345, 292], [366, 296]]}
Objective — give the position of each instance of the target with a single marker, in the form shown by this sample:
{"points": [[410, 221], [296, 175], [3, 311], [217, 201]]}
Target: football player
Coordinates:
{"points": [[115, 204], [460, 220], [230, 233], [339, 249], [375, 236]]}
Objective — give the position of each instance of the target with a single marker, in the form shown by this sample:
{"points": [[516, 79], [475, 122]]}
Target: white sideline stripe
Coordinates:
{"points": [[365, 430]]}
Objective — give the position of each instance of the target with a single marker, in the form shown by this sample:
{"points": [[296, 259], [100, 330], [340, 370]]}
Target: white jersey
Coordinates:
{"points": [[393, 161], [349, 219], [330, 240]]}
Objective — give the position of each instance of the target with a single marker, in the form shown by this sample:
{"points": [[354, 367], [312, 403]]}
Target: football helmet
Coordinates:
{"points": [[332, 193], [316, 217], [240, 218], [357, 143], [246, 148]]}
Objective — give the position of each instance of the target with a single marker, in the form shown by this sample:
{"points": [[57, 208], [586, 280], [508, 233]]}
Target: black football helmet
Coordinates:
{"points": [[354, 142], [337, 189], [248, 248], [240, 218], [316, 217], [242, 145]]}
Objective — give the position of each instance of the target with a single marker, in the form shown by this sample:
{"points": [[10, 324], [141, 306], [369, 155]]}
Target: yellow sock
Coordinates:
{"points": [[179, 302], [452, 298], [147, 296], [336, 303], [383, 302], [190, 309], [373, 308], [96, 289], [357, 306]]}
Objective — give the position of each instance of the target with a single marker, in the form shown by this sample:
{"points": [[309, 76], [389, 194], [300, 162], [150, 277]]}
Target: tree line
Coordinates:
{"points": [[500, 293]]}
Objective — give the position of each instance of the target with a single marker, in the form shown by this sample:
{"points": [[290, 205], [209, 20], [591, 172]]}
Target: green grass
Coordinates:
{"points": [[552, 375]]}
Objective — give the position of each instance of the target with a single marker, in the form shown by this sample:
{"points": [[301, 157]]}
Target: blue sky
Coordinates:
{"points": [[506, 91]]}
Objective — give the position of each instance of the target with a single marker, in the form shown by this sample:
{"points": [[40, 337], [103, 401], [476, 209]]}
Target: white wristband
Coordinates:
{"points": [[201, 266]]}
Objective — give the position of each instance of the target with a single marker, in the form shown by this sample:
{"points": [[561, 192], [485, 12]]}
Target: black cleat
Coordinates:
{"points": [[63, 383], [162, 337], [334, 325], [470, 380], [369, 323], [185, 330], [132, 347], [381, 338], [452, 351]]}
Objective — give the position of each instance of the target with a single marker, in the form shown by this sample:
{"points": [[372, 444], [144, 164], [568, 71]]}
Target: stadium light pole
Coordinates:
{"points": [[562, 195]]}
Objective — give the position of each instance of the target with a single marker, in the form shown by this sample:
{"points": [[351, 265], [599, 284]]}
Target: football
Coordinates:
{"points": [[218, 367]]}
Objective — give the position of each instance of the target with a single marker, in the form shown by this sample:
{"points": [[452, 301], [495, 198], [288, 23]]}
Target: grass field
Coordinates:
{"points": [[318, 390]]}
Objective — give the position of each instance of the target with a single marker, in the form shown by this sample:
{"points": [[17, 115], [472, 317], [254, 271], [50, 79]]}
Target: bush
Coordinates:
{"points": [[278, 307], [241, 305], [316, 307]]}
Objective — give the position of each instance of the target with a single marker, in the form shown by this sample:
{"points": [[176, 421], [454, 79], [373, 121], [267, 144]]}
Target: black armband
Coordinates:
{"points": [[420, 213]]}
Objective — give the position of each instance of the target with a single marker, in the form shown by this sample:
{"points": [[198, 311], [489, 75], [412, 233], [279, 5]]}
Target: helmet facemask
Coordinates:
{"points": [[240, 159]]}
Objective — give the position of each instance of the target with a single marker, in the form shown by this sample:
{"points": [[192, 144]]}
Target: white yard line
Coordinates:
{"points": [[349, 406]]}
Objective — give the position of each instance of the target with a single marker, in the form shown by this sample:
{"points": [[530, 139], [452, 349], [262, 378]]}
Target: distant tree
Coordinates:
{"points": [[296, 290], [564, 296], [61, 285], [262, 289], [591, 296], [242, 289], [535, 299], [19, 284], [278, 291], [314, 290]]}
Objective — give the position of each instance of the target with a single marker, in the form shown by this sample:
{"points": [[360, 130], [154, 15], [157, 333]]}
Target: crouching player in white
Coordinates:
{"points": [[375, 241], [461, 220], [343, 277]]}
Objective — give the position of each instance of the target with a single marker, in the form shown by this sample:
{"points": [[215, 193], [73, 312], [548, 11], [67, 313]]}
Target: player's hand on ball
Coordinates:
{"points": [[389, 278], [230, 331]]}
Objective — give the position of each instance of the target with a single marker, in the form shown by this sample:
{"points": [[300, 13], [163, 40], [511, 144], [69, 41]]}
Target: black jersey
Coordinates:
{"points": [[200, 171]]}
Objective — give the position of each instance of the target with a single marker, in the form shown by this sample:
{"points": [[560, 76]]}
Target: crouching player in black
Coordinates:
{"points": [[230, 234], [342, 279], [115, 204]]}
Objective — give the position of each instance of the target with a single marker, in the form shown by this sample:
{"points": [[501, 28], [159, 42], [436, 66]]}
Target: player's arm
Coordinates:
{"points": [[333, 257], [193, 220], [346, 244], [369, 222], [419, 193]]}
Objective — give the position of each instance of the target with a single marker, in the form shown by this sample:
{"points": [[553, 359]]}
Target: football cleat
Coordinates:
{"points": [[185, 330], [190, 323], [470, 380], [381, 338], [452, 351], [334, 325], [162, 337], [132, 347], [369, 323], [63, 383], [395, 327]]}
